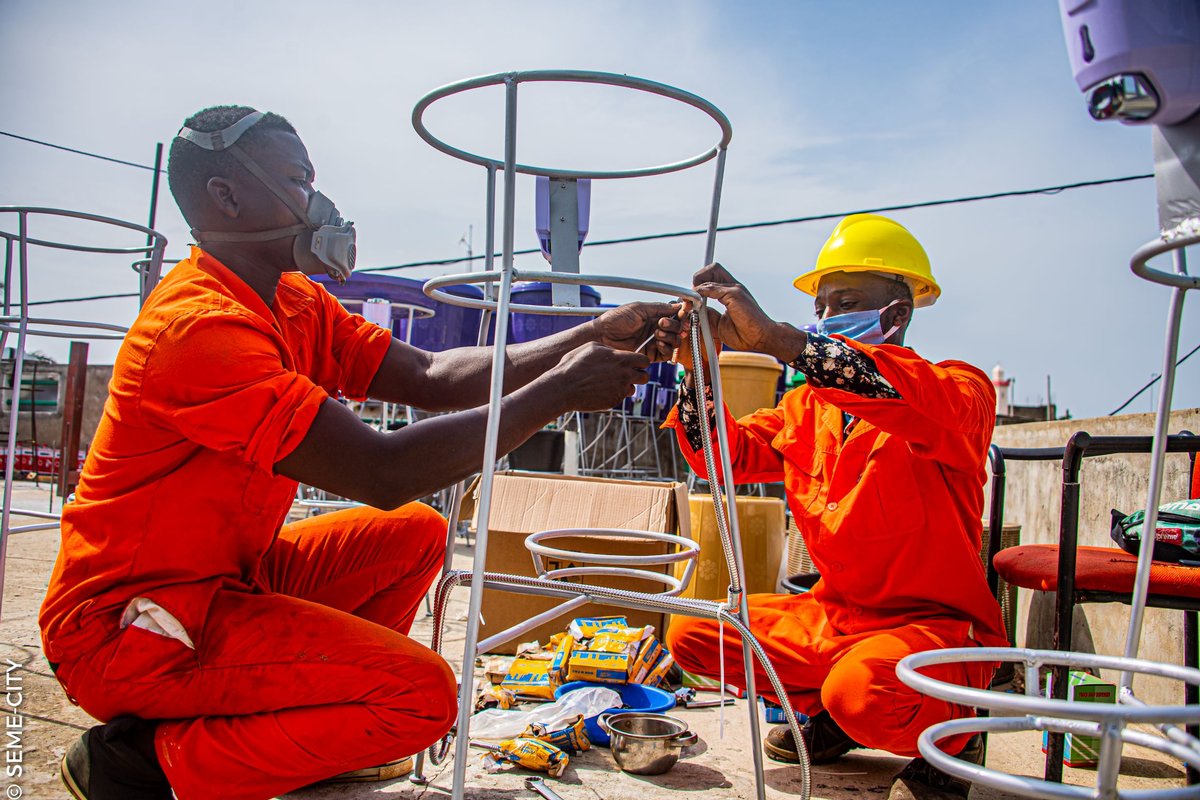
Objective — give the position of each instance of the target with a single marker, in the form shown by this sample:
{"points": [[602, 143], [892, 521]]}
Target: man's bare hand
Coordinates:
{"points": [[594, 377], [744, 325], [684, 356], [627, 327]]}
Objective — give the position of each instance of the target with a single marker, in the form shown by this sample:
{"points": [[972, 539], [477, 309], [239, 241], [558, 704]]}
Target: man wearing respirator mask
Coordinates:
{"points": [[882, 456], [232, 655]]}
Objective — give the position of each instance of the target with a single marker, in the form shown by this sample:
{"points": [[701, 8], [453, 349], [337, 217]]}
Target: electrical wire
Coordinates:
{"points": [[1046, 190], [445, 262], [81, 299], [1153, 381], [80, 152]]}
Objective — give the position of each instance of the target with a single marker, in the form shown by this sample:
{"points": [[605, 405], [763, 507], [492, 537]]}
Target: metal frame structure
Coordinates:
{"points": [[734, 610], [1062, 716], [18, 321], [1030, 712], [1083, 445]]}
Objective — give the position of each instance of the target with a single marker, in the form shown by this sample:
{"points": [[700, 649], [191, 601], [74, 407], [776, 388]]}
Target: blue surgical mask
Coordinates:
{"points": [[862, 326]]}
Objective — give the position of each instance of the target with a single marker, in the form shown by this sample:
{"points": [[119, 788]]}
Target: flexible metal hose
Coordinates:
{"points": [[705, 609], [710, 463]]}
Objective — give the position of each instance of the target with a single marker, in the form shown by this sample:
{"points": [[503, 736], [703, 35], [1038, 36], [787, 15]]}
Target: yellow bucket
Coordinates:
{"points": [[748, 381], [761, 523]]}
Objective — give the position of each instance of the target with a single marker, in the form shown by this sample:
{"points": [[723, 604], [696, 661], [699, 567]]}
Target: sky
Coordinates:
{"points": [[835, 106]]}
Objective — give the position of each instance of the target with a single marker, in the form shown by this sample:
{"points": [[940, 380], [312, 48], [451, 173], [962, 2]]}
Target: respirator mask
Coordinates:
{"points": [[323, 240]]}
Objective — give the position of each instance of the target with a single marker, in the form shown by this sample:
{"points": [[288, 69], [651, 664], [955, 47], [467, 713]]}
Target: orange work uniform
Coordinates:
{"points": [[890, 513], [275, 653]]}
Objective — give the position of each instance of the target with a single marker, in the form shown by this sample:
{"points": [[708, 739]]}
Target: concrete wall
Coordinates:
{"points": [[1033, 495]]}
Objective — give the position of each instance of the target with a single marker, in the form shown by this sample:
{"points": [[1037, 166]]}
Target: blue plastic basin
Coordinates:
{"points": [[633, 695]]}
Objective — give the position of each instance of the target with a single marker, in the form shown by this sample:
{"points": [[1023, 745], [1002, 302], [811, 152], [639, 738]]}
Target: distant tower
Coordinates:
{"points": [[1003, 385]]}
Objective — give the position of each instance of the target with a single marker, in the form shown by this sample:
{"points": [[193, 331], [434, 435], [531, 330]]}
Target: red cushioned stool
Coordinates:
{"points": [[1090, 574]]}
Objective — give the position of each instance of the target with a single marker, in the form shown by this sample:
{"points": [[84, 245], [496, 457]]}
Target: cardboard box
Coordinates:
{"points": [[1084, 751], [525, 503]]}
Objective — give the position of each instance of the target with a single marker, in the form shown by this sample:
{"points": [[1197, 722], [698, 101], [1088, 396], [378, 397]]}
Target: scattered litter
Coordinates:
{"points": [[495, 724]]}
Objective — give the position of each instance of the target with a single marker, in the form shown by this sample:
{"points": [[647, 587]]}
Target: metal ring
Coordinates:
{"points": [[906, 671], [1024, 785], [533, 542], [572, 76], [419, 312], [1138, 264], [674, 585], [433, 288], [11, 324], [59, 212]]}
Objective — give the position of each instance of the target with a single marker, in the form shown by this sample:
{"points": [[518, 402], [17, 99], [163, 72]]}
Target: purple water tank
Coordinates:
{"points": [[527, 327], [1137, 60], [451, 326]]}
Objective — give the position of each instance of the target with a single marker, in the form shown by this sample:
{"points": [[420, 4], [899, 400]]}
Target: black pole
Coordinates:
{"points": [[143, 270]]}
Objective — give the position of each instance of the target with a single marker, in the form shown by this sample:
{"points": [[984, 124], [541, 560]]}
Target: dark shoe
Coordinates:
{"points": [[919, 780], [825, 739], [384, 772], [115, 761]]}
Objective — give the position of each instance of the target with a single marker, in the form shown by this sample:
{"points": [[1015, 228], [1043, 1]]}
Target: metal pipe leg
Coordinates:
{"points": [[466, 693]]}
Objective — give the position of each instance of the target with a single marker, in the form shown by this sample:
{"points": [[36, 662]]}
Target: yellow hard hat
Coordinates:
{"points": [[871, 243]]}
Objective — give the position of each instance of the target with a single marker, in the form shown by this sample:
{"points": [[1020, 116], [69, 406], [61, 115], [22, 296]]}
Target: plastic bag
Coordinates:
{"points": [[495, 724]]}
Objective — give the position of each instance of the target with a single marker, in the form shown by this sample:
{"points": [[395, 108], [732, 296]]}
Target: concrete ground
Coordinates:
{"points": [[714, 768]]}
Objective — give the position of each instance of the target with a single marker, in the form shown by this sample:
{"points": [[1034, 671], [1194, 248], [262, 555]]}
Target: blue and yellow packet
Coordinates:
{"points": [[573, 738], [528, 753]]}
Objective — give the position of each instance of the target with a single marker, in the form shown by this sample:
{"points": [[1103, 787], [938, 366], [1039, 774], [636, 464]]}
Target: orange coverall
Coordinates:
{"points": [[891, 517], [295, 665]]}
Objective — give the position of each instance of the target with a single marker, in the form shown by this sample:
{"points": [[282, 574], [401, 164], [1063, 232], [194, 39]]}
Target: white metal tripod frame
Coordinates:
{"points": [[503, 307], [1031, 712], [1108, 722], [723, 507], [20, 323]]}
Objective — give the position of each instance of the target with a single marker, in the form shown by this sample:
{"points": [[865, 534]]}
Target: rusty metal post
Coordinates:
{"points": [[72, 425]]}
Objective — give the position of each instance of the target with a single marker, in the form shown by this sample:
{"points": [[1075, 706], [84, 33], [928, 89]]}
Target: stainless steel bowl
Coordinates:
{"points": [[644, 743]]}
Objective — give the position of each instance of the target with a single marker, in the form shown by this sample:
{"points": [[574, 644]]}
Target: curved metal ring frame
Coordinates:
{"points": [[1108, 722], [625, 566], [19, 322], [572, 76], [499, 283]]}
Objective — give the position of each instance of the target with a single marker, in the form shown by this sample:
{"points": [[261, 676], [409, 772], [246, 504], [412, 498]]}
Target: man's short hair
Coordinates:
{"points": [[189, 165], [899, 290]]}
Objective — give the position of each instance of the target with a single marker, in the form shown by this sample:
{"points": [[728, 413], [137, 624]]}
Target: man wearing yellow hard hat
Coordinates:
{"points": [[882, 457]]}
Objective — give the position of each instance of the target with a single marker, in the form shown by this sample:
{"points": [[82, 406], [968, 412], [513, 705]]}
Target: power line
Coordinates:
{"points": [[1153, 381], [1046, 190], [80, 152], [81, 299], [445, 262]]}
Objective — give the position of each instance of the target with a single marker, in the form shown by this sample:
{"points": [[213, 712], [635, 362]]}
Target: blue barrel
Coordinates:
{"points": [[362, 286], [450, 326], [527, 327]]}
